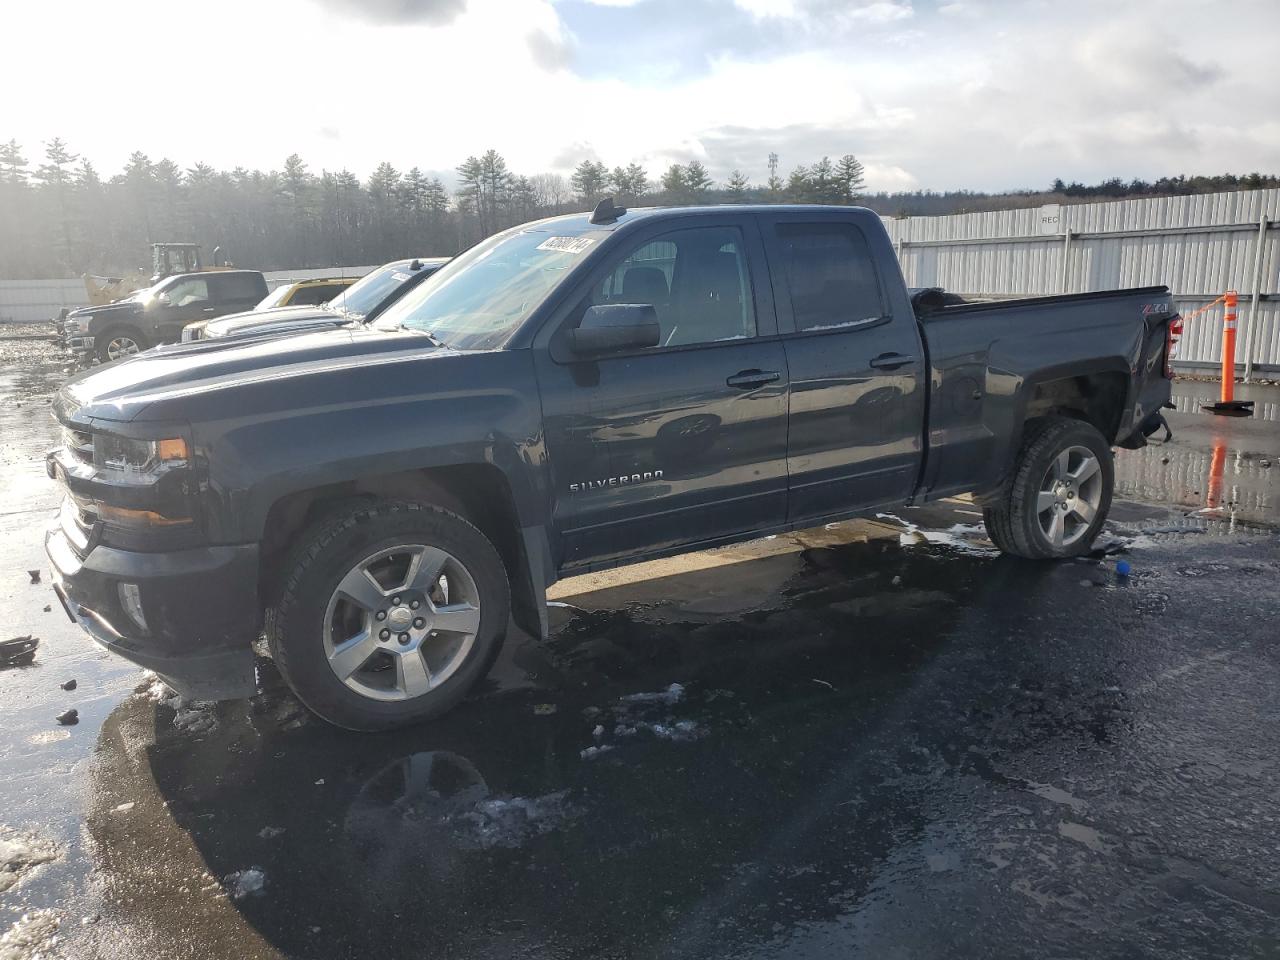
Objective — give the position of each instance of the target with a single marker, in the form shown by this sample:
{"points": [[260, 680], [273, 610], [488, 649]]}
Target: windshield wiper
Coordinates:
{"points": [[426, 333]]}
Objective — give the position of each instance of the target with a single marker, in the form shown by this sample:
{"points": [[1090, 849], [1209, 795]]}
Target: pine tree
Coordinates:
{"points": [[14, 164], [799, 185], [696, 180], [736, 186], [674, 183], [590, 179], [849, 174], [56, 179]]}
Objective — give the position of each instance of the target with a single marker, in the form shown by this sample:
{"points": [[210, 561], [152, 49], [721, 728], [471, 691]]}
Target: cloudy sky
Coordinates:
{"points": [[979, 94]]}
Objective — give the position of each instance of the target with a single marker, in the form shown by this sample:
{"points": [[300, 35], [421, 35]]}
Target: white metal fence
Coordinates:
{"points": [[31, 301], [1199, 246]]}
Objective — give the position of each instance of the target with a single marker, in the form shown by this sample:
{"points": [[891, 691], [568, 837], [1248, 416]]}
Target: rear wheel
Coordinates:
{"points": [[391, 613], [119, 343], [1060, 493]]}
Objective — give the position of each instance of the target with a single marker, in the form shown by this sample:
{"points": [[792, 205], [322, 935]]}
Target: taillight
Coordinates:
{"points": [[1172, 334]]}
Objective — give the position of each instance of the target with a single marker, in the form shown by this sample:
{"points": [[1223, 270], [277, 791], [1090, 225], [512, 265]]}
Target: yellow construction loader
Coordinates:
{"points": [[166, 260]]}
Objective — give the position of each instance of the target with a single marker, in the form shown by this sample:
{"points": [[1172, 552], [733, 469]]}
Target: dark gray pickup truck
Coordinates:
{"points": [[158, 313], [568, 395]]}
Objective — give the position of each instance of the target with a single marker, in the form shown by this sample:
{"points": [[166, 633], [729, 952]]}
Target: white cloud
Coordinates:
{"points": [[1024, 94], [768, 9]]}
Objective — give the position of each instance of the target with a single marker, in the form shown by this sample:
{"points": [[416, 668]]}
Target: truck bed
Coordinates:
{"points": [[987, 360]]}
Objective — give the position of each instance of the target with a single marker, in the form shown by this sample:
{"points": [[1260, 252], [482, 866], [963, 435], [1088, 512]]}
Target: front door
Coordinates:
{"points": [[857, 408], [187, 300], [680, 443]]}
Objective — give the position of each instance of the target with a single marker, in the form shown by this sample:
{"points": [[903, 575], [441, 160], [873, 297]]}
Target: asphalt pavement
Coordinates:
{"points": [[878, 739]]}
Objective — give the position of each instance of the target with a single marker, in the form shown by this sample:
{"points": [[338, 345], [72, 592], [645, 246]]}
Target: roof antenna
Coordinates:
{"points": [[606, 212]]}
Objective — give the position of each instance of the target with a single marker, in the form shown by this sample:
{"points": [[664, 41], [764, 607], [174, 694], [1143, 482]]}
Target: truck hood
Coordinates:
{"points": [[155, 385], [270, 321], [121, 308]]}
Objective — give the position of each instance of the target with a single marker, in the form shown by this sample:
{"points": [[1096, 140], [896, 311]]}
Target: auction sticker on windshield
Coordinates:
{"points": [[566, 244]]}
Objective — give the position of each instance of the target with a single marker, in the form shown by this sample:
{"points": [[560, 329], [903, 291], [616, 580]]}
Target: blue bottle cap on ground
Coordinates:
{"points": [[1123, 568]]}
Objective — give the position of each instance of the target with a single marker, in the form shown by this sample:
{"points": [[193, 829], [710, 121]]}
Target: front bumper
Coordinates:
{"points": [[199, 606]]}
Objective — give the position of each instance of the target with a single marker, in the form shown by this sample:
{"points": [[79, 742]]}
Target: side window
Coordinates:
{"points": [[830, 274], [236, 286], [186, 292], [310, 296], [697, 281]]}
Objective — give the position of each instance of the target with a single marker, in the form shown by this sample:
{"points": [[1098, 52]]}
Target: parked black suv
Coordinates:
{"points": [[568, 395], [158, 313]]}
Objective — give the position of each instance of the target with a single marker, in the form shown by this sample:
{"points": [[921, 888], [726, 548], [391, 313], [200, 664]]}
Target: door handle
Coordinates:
{"points": [[748, 379], [891, 361], [207, 310]]}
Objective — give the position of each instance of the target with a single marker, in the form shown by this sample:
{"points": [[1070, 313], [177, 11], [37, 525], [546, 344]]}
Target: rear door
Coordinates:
{"points": [[857, 404], [680, 443]]}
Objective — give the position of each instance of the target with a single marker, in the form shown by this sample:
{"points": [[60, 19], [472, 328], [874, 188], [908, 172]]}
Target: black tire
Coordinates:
{"points": [[325, 554], [1014, 524], [102, 343]]}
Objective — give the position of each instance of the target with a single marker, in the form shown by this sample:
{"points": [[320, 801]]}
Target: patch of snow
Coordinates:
{"points": [[592, 752], [32, 936], [194, 716], [124, 807], [511, 821], [673, 694], [960, 537], [191, 716], [680, 730], [20, 854], [245, 883], [270, 833]]}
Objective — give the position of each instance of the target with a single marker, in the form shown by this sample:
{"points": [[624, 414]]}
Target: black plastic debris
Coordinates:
{"points": [[1109, 547], [34, 575], [19, 651], [70, 718], [69, 685]]}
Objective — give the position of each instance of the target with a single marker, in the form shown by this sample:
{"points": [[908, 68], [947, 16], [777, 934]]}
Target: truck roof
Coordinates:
{"points": [[582, 221]]}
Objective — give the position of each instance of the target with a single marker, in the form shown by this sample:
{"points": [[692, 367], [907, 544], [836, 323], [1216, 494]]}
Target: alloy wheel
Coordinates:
{"points": [[401, 622], [1069, 496]]}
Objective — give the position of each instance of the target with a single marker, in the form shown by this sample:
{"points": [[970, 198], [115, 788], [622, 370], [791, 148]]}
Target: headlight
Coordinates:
{"points": [[138, 461], [77, 324]]}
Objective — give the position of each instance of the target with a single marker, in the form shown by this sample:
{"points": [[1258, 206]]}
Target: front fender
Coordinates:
{"points": [[362, 423]]}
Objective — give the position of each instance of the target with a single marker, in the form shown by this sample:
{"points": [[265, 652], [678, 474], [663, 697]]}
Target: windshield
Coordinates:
{"points": [[478, 300], [148, 293], [371, 289]]}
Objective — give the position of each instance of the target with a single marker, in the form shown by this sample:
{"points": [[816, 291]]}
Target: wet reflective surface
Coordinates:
{"points": [[874, 739]]}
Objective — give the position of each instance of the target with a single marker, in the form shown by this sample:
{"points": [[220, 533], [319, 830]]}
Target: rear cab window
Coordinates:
{"points": [[831, 277], [235, 287]]}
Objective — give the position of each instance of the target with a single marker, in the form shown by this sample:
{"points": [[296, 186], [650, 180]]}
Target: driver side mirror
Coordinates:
{"points": [[163, 300], [609, 327]]}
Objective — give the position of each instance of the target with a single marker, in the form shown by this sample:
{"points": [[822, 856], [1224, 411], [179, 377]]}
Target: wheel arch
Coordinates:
{"points": [[480, 493]]}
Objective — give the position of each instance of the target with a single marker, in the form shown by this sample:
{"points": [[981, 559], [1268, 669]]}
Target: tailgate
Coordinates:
{"points": [[1153, 385]]}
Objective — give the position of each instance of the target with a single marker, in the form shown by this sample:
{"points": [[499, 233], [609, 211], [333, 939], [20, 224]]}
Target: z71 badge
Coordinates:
{"points": [[615, 481]]}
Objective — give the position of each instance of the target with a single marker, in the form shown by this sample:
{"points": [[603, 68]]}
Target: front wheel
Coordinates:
{"points": [[1060, 493], [392, 612], [119, 343]]}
